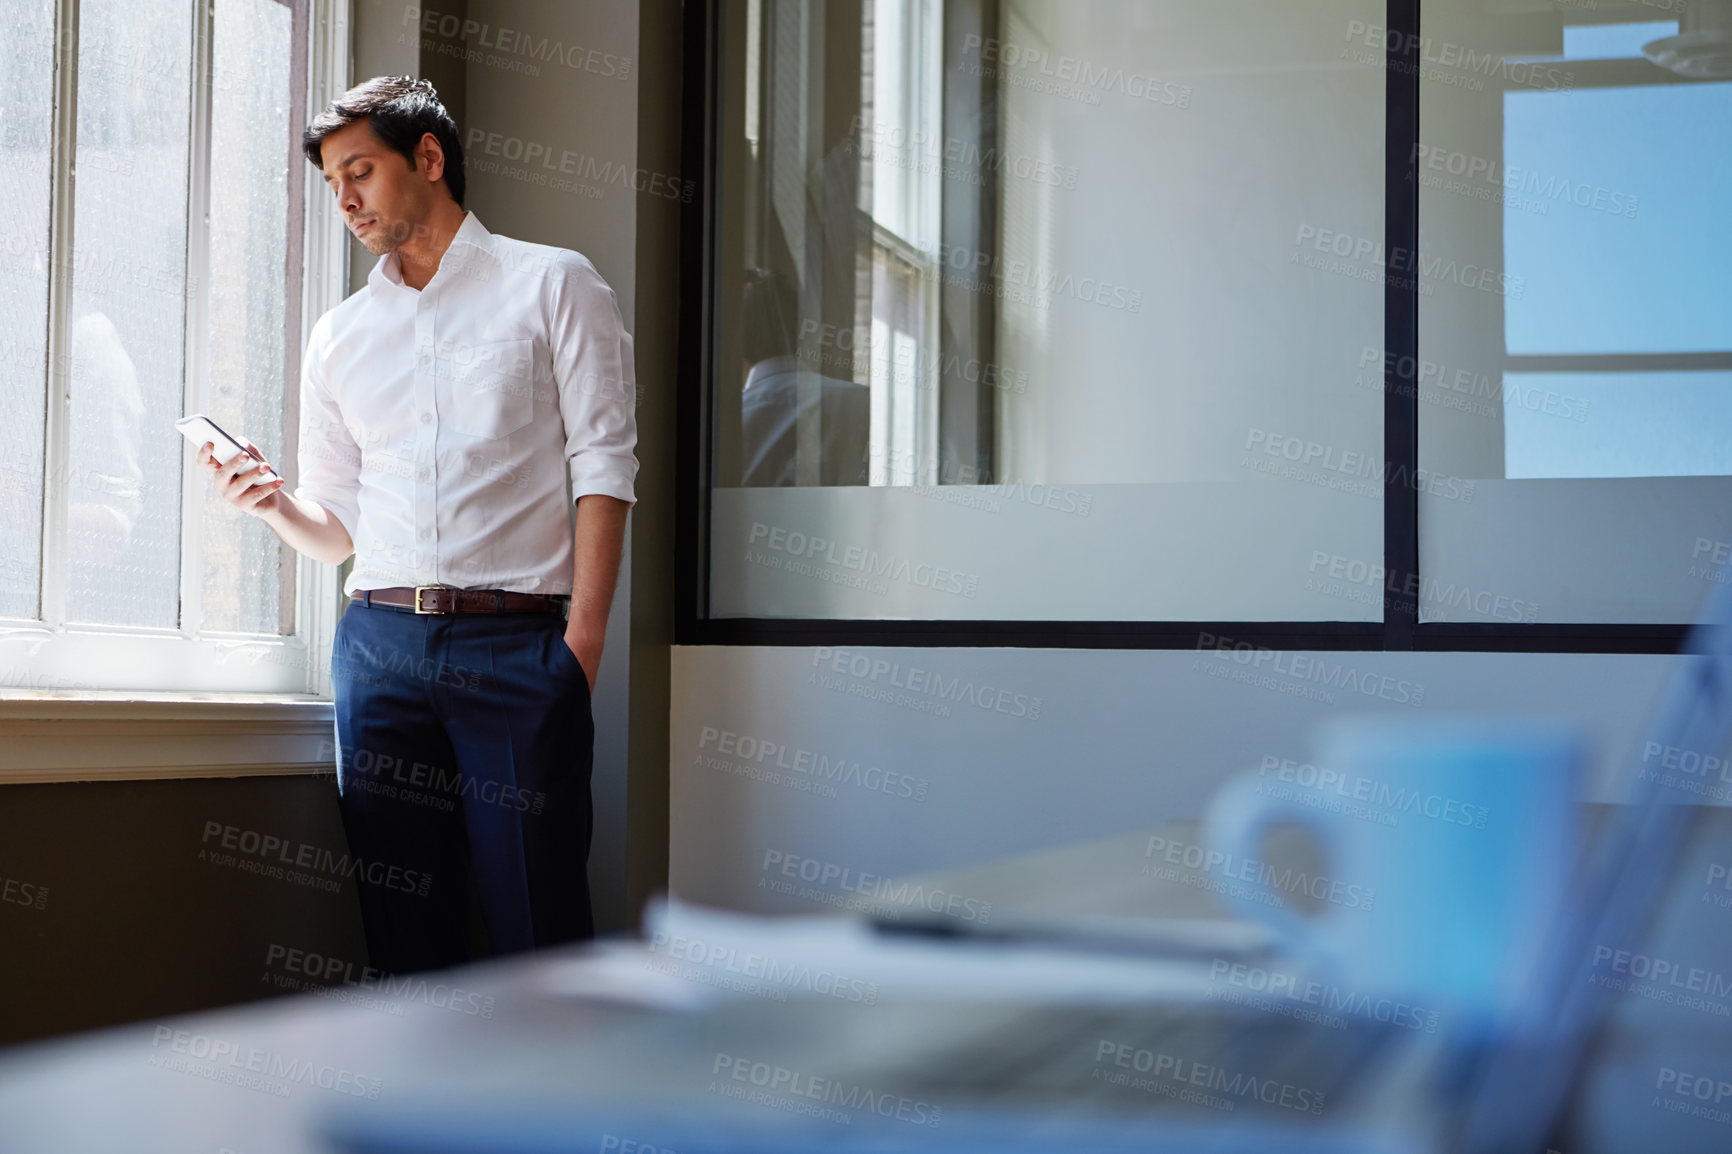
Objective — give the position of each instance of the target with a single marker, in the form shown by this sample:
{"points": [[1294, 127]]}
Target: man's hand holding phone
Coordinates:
{"points": [[244, 479], [238, 482]]}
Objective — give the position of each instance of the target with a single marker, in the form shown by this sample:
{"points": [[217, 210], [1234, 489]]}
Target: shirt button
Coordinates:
{"points": [[425, 475], [426, 360], [425, 417], [426, 534]]}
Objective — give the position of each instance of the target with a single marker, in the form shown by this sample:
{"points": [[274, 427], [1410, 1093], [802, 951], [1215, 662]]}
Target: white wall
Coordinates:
{"points": [[1048, 747], [560, 79], [580, 107]]}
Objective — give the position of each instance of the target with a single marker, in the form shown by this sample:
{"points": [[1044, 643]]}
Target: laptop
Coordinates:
{"points": [[834, 1074]]}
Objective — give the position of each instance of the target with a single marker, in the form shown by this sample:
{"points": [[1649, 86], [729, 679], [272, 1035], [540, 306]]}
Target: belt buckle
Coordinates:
{"points": [[419, 590]]}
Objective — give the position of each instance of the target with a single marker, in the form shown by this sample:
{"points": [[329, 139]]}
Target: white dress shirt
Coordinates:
{"points": [[441, 427], [798, 427]]}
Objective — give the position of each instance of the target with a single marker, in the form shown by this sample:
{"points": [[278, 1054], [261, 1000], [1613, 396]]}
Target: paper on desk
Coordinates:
{"points": [[696, 957]]}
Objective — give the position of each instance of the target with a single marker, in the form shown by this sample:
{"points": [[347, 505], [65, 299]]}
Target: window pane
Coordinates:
{"points": [[1109, 277], [245, 565], [1583, 378], [1613, 41], [1616, 221], [26, 97], [129, 286]]}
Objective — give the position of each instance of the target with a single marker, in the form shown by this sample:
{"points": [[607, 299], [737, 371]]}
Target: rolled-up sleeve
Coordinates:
{"points": [[329, 459], [592, 366]]}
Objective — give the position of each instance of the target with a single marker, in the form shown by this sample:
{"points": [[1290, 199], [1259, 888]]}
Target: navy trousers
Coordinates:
{"points": [[464, 749]]}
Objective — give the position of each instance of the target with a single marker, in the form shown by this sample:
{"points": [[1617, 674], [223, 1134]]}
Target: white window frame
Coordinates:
{"points": [[900, 388], [51, 659]]}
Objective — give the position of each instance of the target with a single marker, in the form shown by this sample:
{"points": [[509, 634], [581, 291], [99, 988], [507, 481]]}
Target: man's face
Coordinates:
{"points": [[383, 201]]}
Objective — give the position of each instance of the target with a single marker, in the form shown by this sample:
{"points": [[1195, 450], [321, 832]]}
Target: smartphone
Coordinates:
{"points": [[199, 428]]}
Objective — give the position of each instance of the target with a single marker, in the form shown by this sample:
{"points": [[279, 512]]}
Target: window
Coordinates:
{"points": [[154, 206], [903, 204], [1308, 319]]}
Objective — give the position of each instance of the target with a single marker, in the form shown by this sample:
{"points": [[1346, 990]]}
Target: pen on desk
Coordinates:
{"points": [[1148, 942]]}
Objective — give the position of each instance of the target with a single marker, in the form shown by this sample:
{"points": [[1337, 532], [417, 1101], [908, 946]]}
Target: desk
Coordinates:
{"points": [[216, 1082], [131, 1089]]}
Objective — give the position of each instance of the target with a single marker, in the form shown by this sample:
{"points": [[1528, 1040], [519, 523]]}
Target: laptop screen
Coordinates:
{"points": [[1637, 992]]}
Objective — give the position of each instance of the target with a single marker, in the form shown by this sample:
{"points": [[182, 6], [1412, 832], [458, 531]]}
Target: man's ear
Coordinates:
{"points": [[432, 157]]}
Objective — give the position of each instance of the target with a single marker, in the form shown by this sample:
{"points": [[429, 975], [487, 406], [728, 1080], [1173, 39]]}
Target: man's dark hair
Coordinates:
{"points": [[401, 109], [769, 312]]}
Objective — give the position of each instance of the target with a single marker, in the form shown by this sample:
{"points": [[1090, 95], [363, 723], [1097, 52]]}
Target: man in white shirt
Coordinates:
{"points": [[452, 413]]}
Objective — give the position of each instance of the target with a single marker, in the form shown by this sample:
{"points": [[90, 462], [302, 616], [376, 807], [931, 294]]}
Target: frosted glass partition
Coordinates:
{"points": [[1626, 550], [1087, 320], [1584, 383], [1037, 552]]}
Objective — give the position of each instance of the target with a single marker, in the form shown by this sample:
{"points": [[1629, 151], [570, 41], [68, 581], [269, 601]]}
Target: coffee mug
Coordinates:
{"points": [[1449, 846]]}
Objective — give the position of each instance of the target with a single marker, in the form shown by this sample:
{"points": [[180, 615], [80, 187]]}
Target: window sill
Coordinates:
{"points": [[57, 736]]}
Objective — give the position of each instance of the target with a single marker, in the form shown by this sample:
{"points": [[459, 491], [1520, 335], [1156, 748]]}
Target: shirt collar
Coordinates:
{"points": [[471, 234], [769, 367]]}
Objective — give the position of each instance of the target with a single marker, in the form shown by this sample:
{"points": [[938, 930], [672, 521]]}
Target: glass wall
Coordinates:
{"points": [[1035, 310], [1575, 330]]}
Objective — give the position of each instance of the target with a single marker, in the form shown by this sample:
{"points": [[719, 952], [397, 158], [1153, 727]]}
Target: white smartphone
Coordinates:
{"points": [[199, 428]]}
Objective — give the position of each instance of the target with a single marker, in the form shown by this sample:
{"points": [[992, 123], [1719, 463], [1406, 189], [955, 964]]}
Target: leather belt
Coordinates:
{"points": [[441, 599]]}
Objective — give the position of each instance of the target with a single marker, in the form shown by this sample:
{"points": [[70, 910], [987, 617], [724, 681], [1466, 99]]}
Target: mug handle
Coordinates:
{"points": [[1234, 825]]}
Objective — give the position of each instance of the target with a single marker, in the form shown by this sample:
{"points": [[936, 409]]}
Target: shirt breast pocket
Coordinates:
{"points": [[485, 389]]}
